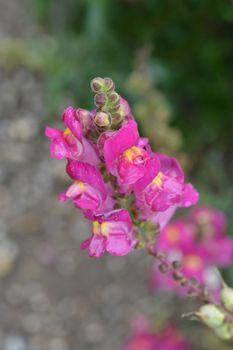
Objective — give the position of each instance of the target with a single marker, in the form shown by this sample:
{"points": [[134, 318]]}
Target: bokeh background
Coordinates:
{"points": [[173, 62]]}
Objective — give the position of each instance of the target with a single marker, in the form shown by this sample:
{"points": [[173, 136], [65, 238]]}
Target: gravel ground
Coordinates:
{"points": [[52, 296]]}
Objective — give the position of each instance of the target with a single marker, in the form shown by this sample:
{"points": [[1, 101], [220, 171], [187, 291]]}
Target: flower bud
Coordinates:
{"points": [[184, 282], [108, 84], [102, 120], [85, 119], [114, 110], [176, 264], [114, 98], [97, 84], [177, 276], [163, 268], [161, 254], [225, 331], [100, 99], [211, 315], [227, 298]]}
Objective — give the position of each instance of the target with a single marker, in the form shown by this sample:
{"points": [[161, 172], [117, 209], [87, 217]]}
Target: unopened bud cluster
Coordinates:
{"points": [[108, 103], [219, 317]]}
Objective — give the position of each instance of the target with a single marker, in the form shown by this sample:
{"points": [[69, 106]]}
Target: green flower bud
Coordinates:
{"points": [[114, 109], [211, 315], [117, 118], [114, 98], [100, 99], [97, 84], [227, 298], [102, 120], [108, 84], [225, 332]]}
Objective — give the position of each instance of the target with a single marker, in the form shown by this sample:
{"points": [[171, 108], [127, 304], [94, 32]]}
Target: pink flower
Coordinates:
{"points": [[88, 192], [124, 153], [142, 341], [70, 143], [199, 241], [145, 338], [170, 338], [85, 118], [211, 232], [177, 234], [112, 232], [159, 193]]}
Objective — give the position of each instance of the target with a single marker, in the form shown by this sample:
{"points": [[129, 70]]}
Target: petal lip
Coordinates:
{"points": [[96, 246], [69, 118], [87, 173], [52, 133], [119, 141]]}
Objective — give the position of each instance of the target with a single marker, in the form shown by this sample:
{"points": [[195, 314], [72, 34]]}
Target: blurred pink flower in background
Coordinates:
{"points": [[144, 337], [200, 242]]}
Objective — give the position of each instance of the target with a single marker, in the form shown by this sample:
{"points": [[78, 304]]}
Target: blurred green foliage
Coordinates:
{"points": [[191, 39]]}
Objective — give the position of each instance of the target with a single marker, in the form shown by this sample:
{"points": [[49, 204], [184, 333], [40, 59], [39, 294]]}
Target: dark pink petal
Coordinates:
{"points": [[96, 246], [85, 244], [162, 218], [87, 173], [171, 167], [129, 173], [52, 133], [119, 215], [159, 199], [89, 199], [190, 196], [89, 153], [124, 138], [62, 197], [152, 167], [69, 118], [85, 118], [118, 244], [143, 142], [59, 148]]}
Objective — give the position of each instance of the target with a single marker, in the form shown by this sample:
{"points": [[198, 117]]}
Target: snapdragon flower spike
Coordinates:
{"points": [[124, 156], [111, 232], [71, 143], [88, 192], [159, 193]]}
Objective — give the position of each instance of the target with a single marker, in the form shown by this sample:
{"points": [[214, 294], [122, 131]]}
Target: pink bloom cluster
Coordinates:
{"points": [[109, 164], [200, 242], [145, 338]]}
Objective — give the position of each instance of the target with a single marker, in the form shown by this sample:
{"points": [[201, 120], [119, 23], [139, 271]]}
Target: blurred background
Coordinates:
{"points": [[173, 62]]}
